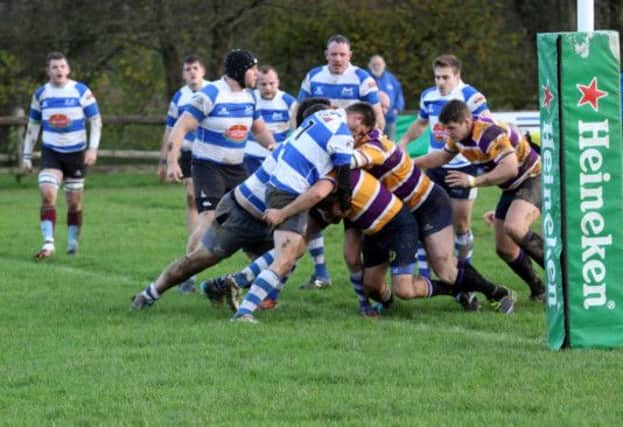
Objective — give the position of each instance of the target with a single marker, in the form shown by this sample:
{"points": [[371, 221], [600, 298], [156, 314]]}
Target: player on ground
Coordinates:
{"points": [[193, 73], [62, 107], [223, 113], [344, 84], [448, 86], [510, 163]]}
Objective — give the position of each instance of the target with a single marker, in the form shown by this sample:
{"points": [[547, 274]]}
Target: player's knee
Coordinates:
{"points": [[444, 266], [514, 230], [461, 226], [352, 260], [446, 270], [503, 252], [404, 289]]}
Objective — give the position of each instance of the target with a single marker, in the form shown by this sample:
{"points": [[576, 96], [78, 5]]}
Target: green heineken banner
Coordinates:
{"points": [[581, 149]]}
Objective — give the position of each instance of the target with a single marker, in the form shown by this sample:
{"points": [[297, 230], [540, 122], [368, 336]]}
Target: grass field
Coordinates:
{"points": [[73, 354]]}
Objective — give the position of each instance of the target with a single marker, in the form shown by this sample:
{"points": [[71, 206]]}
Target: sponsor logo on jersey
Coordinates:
{"points": [[318, 91], [59, 121], [479, 99], [237, 133], [248, 110], [348, 91], [277, 117], [223, 111], [439, 132]]}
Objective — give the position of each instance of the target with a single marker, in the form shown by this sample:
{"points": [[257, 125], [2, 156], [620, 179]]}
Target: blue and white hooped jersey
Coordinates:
{"points": [[251, 193], [225, 118], [276, 113], [431, 103], [354, 84], [321, 142], [63, 112], [177, 106]]}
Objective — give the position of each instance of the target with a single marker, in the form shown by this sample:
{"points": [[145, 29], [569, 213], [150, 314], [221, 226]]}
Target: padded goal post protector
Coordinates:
{"points": [[582, 211]]}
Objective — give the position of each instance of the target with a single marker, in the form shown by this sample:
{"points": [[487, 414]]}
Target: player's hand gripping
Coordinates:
{"points": [[274, 217], [459, 179]]}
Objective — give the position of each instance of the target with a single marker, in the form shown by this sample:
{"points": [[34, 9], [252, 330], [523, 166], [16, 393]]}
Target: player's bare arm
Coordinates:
{"points": [[434, 159], [505, 170], [161, 170], [380, 117], [307, 200], [413, 132], [262, 134]]}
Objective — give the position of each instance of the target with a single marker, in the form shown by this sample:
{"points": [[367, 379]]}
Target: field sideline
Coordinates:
{"points": [[72, 352]]}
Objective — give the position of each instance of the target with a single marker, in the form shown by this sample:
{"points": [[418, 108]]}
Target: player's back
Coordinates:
{"points": [[321, 142], [395, 169], [372, 205]]}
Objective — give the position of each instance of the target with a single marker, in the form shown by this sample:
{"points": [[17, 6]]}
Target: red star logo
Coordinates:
{"points": [[591, 94], [547, 96]]}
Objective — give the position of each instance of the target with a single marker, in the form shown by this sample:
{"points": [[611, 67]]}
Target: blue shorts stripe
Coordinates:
{"points": [[402, 269]]}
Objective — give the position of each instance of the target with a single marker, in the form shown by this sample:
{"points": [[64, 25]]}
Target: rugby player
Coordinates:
{"points": [[430, 206], [62, 107], [344, 84], [223, 113], [448, 86], [193, 73], [512, 164]]}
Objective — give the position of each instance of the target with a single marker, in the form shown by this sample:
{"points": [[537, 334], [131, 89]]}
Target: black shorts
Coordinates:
{"points": [[396, 243], [184, 161], [529, 190], [438, 176], [211, 180], [71, 164], [277, 199], [435, 213], [234, 228]]}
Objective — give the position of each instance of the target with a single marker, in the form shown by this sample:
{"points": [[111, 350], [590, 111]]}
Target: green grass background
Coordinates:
{"points": [[71, 352]]}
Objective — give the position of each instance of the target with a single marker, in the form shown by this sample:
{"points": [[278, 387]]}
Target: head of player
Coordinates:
{"points": [[377, 66], [338, 53], [267, 82], [360, 118], [447, 73], [193, 71], [457, 120], [58, 69], [309, 106], [241, 67]]}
